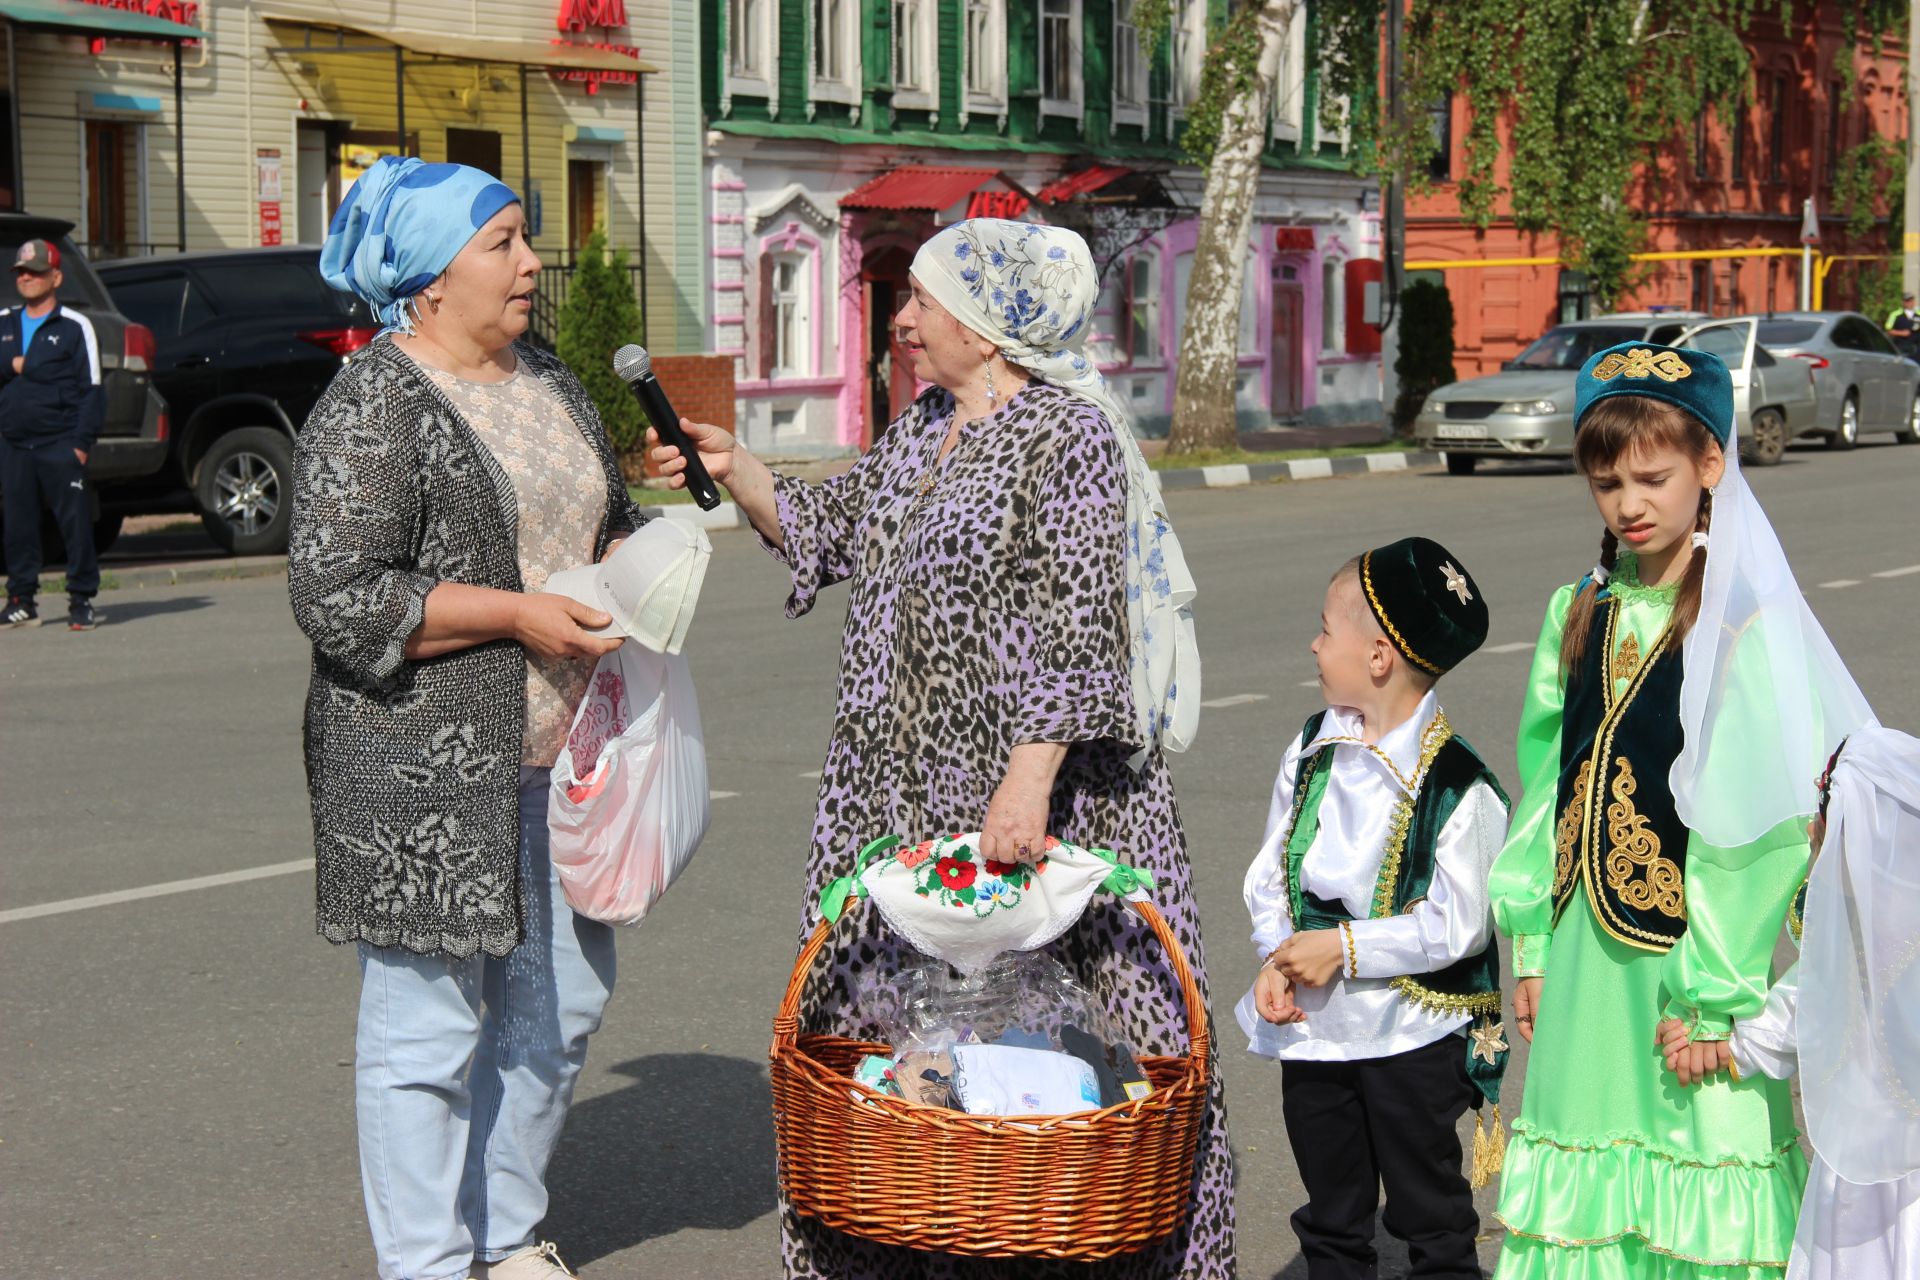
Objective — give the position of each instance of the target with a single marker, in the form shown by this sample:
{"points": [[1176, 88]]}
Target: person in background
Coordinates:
{"points": [[51, 406], [1903, 326]]}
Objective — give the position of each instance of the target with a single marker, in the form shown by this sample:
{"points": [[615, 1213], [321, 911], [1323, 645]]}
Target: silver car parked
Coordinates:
{"points": [[1864, 383], [1774, 397], [1526, 410]]}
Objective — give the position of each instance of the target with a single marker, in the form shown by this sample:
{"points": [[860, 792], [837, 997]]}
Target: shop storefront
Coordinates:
{"points": [[275, 110]]}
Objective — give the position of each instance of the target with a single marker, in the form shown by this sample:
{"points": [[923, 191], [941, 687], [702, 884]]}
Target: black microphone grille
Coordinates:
{"points": [[632, 362]]}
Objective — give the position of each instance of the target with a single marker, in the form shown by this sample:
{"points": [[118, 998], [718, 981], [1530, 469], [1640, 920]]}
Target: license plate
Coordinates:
{"points": [[1459, 431]]}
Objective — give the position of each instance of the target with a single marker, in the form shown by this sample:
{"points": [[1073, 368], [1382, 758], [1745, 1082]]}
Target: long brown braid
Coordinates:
{"points": [[1611, 430]]}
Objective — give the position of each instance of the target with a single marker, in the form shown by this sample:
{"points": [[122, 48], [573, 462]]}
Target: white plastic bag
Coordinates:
{"points": [[629, 803]]}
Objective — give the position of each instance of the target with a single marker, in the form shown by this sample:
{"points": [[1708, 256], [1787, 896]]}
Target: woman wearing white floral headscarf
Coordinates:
{"points": [[1017, 655]]}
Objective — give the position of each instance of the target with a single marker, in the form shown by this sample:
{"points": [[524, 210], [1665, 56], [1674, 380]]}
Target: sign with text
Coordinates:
{"points": [[581, 17], [577, 15], [1293, 239], [997, 204], [185, 12], [267, 176]]}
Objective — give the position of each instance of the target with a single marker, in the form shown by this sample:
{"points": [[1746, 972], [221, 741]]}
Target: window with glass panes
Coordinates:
{"points": [[831, 60], [1056, 50], [1143, 296], [986, 52], [910, 19], [788, 308], [746, 34], [1129, 69]]}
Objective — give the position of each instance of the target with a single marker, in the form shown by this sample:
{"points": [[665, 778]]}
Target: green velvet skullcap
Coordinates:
{"points": [[1424, 599]]}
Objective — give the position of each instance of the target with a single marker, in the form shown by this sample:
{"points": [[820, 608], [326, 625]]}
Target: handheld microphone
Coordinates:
{"points": [[635, 368]]}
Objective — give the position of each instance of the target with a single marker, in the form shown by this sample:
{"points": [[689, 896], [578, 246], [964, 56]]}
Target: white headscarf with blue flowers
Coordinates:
{"points": [[1032, 290]]}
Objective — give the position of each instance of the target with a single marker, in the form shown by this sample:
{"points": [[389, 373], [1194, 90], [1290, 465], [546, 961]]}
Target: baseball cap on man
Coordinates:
{"points": [[38, 257]]}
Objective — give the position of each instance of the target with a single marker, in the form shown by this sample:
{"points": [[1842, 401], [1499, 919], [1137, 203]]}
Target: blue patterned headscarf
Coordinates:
{"points": [[399, 227], [1032, 291]]}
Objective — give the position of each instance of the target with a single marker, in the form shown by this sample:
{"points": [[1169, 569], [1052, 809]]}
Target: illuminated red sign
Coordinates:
{"points": [[594, 79], [185, 12], [577, 15], [997, 204]]}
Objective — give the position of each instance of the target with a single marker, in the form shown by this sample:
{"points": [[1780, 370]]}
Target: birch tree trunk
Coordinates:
{"points": [[1203, 397]]}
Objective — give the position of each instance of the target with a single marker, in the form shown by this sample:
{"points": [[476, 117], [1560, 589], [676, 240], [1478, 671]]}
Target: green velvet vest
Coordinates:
{"points": [[1471, 985], [1619, 833]]}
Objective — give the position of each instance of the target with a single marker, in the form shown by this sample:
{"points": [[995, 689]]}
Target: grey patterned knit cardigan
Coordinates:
{"points": [[413, 766]]}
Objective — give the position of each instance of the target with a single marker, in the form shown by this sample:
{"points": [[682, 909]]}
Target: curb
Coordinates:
{"points": [[122, 577], [727, 516], [1237, 475]]}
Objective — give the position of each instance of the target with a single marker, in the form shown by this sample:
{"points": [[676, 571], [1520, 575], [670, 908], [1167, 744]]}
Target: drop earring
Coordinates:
{"points": [[993, 396]]}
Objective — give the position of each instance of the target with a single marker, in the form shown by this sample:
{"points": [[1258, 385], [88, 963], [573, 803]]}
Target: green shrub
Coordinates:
{"points": [[1425, 360], [599, 317]]}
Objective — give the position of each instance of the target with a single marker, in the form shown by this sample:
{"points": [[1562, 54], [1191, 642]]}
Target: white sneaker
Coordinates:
{"points": [[535, 1262]]}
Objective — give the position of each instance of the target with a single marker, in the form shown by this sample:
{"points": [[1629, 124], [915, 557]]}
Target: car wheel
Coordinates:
{"points": [[1461, 464], [1847, 433], [1768, 440], [245, 491], [1912, 433]]}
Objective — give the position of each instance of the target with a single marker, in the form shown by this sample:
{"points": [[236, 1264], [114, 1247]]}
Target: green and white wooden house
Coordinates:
{"points": [[841, 133]]}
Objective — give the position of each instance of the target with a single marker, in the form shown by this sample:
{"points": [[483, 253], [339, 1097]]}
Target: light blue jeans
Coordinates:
{"points": [[465, 1070]]}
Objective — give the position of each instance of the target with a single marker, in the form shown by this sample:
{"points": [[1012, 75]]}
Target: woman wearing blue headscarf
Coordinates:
{"points": [[446, 472]]}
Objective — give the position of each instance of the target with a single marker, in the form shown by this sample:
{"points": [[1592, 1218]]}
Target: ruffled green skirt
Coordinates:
{"points": [[1614, 1171]]}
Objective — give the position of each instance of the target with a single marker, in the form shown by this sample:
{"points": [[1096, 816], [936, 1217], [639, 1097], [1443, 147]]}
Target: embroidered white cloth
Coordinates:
{"points": [[1352, 1018], [955, 904]]}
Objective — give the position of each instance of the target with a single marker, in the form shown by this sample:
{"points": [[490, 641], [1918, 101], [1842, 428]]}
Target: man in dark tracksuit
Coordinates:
{"points": [[51, 407]]}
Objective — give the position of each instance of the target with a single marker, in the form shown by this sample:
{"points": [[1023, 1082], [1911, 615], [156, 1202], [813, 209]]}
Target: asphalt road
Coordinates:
{"points": [[175, 1080]]}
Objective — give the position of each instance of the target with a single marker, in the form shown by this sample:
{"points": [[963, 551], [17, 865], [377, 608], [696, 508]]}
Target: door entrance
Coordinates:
{"points": [[316, 179], [890, 382], [107, 191], [583, 178], [1289, 341]]}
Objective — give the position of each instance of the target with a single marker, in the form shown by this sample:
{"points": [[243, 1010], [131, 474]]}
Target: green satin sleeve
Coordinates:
{"points": [[1737, 900], [1521, 885]]}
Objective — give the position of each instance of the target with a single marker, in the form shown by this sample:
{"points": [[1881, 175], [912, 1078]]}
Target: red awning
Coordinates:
{"points": [[1084, 182], [922, 187]]}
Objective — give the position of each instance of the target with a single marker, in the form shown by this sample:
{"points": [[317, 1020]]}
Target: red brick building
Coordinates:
{"points": [[1728, 190]]}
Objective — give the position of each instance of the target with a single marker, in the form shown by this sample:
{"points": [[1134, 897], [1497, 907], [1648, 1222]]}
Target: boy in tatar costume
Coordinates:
{"points": [[1379, 990]]}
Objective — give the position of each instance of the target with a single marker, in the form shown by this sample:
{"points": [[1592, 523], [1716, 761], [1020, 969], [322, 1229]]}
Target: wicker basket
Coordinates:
{"points": [[1085, 1186]]}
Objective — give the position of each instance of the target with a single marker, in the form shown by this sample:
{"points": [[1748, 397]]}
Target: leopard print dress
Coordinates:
{"points": [[988, 610]]}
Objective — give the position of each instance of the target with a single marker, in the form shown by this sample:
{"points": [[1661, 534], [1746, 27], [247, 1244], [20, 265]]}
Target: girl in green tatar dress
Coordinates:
{"points": [[1680, 701]]}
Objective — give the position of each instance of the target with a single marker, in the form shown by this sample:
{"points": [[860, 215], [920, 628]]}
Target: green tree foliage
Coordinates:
{"points": [[599, 317], [1594, 93], [1425, 361], [1870, 180]]}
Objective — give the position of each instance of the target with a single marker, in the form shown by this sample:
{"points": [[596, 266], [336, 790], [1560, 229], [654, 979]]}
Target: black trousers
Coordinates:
{"points": [[1357, 1125], [46, 473]]}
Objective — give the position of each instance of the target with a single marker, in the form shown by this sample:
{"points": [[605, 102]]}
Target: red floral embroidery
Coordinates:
{"points": [[911, 858], [955, 874], [995, 867]]}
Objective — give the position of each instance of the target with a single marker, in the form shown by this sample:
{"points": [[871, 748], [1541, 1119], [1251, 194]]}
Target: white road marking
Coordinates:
{"points": [[1515, 647], [1234, 699], [811, 773], [1838, 583], [1304, 684], [120, 896], [721, 795], [1898, 573]]}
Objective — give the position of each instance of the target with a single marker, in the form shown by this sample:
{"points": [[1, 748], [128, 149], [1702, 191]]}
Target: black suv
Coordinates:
{"points": [[133, 439], [248, 339]]}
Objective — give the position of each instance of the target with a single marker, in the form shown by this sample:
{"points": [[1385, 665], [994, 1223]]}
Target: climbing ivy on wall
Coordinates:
{"points": [[1592, 90]]}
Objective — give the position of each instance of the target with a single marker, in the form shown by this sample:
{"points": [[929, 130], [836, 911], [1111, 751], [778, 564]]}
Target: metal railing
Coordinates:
{"points": [[550, 294]]}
